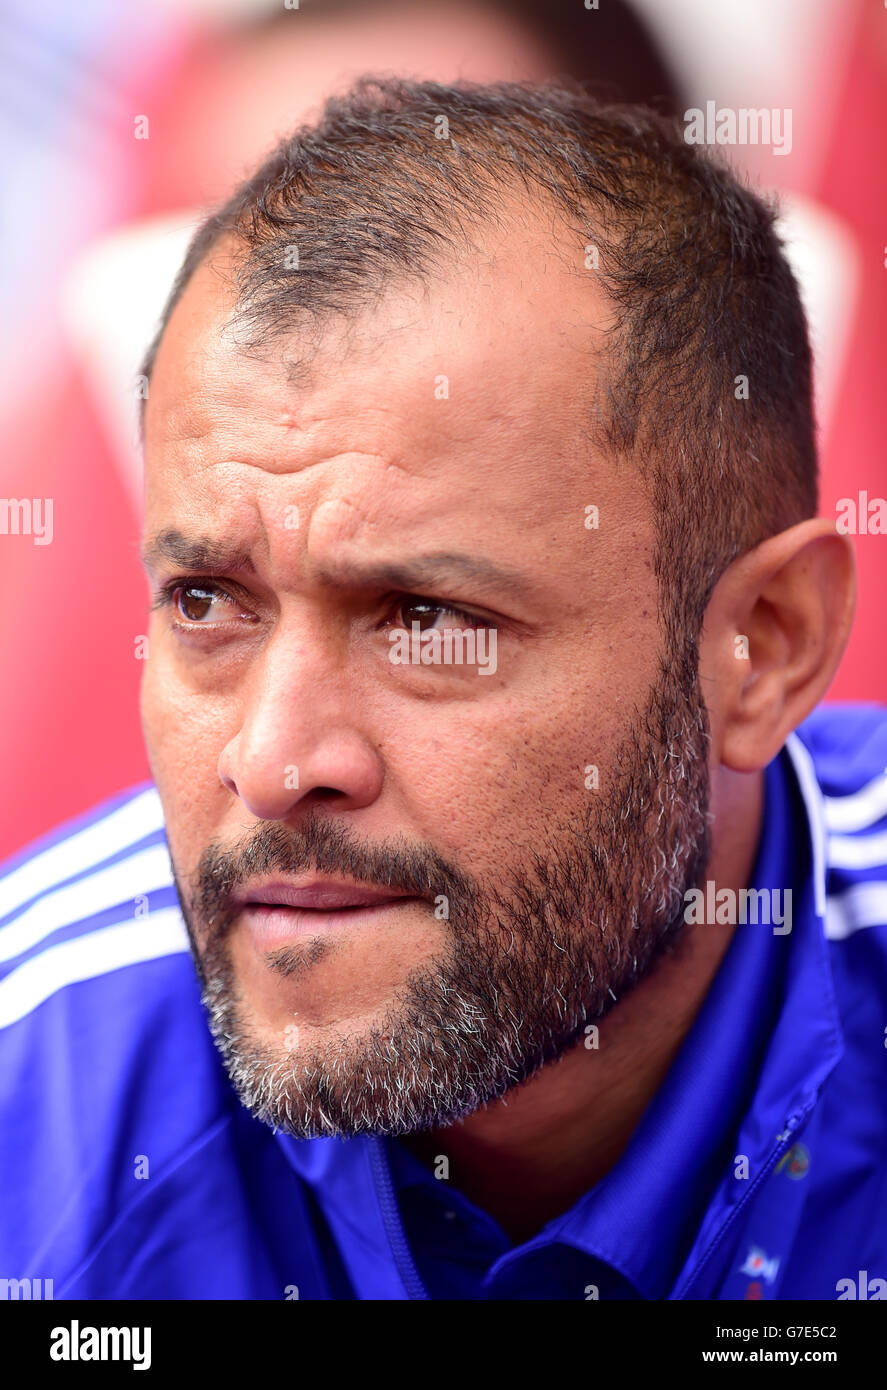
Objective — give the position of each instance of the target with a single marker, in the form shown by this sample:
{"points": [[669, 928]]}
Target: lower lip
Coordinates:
{"points": [[273, 925]]}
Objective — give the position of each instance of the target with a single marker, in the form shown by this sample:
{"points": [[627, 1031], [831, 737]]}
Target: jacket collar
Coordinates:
{"points": [[744, 1081]]}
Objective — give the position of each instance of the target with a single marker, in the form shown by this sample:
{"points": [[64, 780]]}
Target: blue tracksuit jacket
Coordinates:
{"points": [[129, 1170]]}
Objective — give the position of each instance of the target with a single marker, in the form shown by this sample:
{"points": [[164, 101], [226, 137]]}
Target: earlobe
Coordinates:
{"points": [[777, 625]]}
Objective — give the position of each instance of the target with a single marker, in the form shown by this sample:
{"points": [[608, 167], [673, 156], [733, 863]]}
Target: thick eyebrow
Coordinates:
{"points": [[203, 554], [421, 572], [415, 574]]}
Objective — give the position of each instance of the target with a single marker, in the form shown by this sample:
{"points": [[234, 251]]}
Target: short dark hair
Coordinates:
{"points": [[689, 259]]}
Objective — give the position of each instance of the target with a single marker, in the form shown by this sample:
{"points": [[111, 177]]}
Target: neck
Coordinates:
{"points": [[528, 1157]]}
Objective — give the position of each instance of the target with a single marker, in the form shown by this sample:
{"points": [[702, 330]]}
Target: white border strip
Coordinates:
{"points": [[860, 809], [88, 957], [863, 905], [118, 885], [866, 852], [813, 800], [83, 850]]}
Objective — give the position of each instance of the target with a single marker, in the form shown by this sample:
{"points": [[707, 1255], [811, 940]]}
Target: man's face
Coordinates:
{"points": [[409, 885]]}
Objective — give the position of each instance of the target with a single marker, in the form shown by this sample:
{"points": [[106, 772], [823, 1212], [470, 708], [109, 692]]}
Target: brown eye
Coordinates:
{"points": [[426, 613], [417, 611], [194, 602]]}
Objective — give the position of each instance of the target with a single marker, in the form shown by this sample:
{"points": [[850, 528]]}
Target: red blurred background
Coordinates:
{"points": [[101, 212]]}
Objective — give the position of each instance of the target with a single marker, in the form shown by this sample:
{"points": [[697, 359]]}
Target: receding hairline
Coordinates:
{"points": [[228, 252], [689, 256]]}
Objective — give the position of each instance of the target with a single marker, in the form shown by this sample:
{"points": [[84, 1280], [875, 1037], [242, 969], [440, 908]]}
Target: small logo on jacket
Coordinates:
{"points": [[757, 1266], [796, 1162]]}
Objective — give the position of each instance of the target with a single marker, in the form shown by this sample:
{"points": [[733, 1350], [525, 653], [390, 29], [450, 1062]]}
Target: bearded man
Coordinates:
{"points": [[557, 976]]}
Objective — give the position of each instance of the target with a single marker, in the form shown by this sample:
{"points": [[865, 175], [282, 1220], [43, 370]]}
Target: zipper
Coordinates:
{"points": [[400, 1249], [793, 1127]]}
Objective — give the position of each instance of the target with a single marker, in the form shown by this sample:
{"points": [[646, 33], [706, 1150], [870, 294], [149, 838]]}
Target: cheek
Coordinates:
{"points": [[164, 721], [481, 781], [183, 725], [150, 706], [483, 784], [183, 737]]}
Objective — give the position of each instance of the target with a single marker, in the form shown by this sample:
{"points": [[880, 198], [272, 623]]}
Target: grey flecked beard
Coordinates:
{"points": [[589, 907]]}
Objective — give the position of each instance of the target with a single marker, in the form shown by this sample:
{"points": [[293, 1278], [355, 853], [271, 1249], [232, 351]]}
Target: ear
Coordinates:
{"points": [[775, 629]]}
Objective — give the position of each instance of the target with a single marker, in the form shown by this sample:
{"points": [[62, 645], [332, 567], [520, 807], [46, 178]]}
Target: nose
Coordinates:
{"points": [[300, 738]]}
